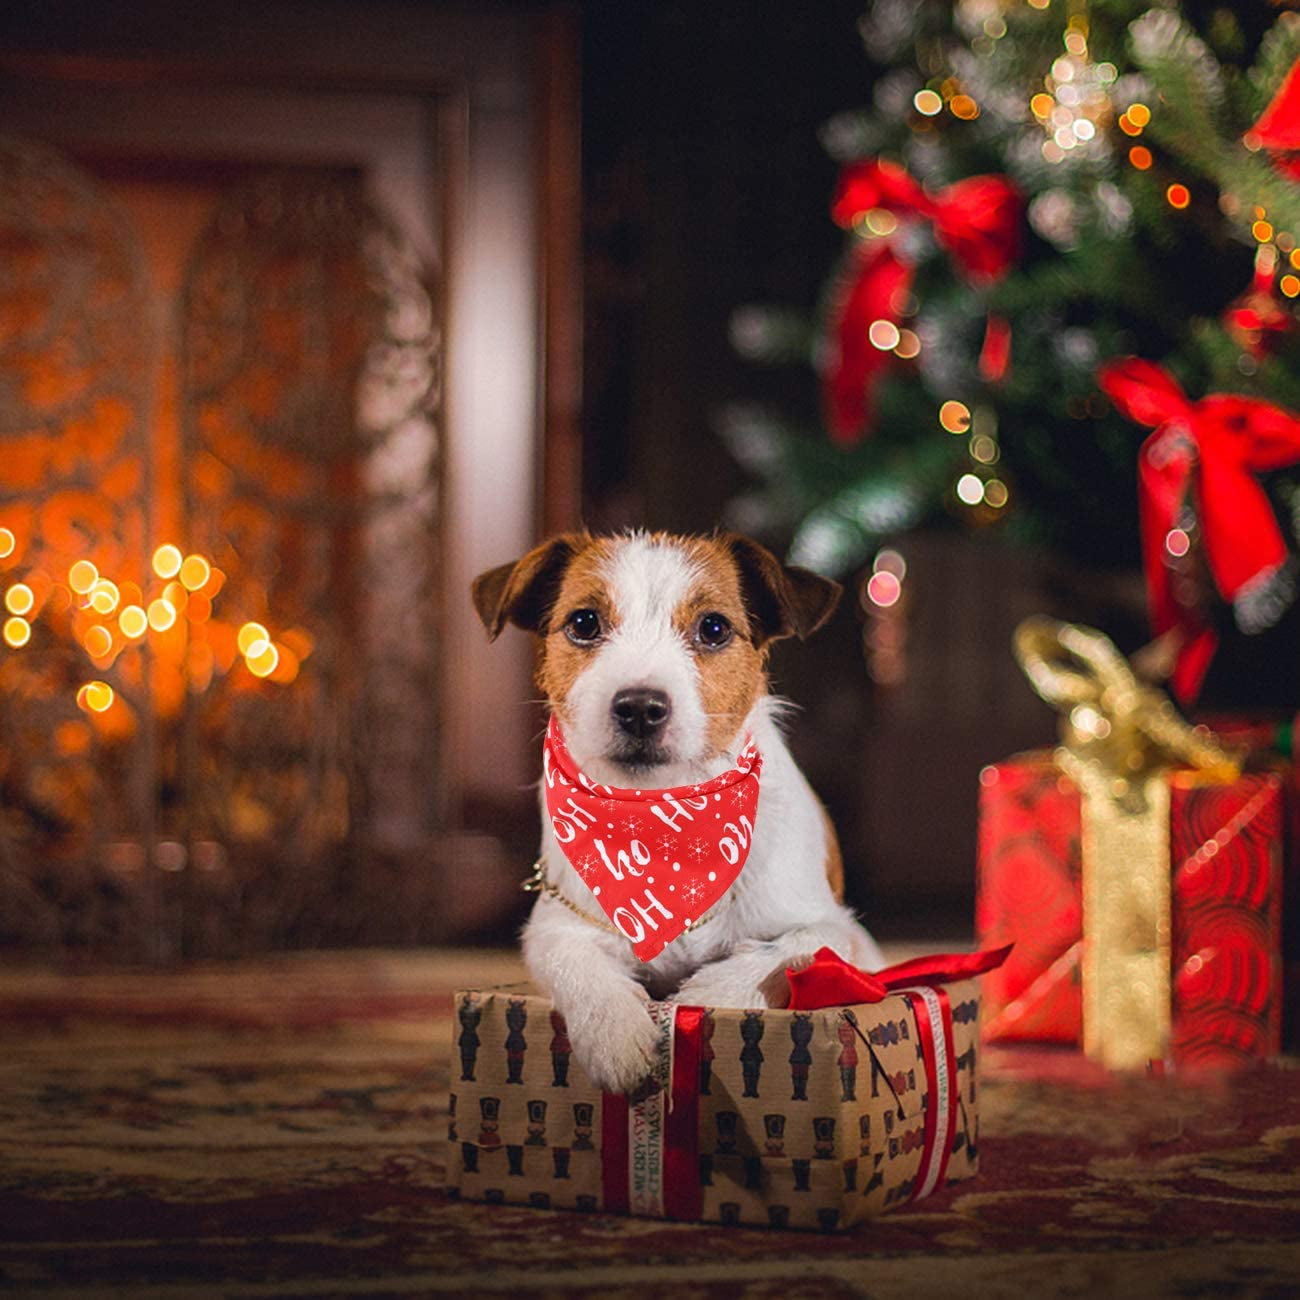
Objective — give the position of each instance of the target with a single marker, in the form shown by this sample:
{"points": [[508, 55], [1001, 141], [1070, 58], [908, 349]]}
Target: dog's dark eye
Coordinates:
{"points": [[582, 627], [714, 631]]}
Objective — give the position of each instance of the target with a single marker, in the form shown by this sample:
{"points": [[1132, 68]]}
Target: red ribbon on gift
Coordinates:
{"points": [[829, 981], [976, 221], [1228, 440]]}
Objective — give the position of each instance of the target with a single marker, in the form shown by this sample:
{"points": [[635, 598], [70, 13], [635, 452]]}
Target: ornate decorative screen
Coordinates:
{"points": [[213, 738]]}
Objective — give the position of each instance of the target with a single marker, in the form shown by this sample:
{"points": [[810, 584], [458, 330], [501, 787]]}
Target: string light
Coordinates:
{"points": [[95, 697], [964, 107], [249, 635], [1140, 157], [17, 632], [883, 335], [98, 641], [167, 561], [19, 599], [996, 493], [984, 449], [954, 416], [162, 614], [104, 596], [1289, 285], [262, 658], [970, 489], [884, 589], [82, 577], [195, 572], [7, 543], [927, 102], [1177, 543], [908, 346], [1178, 196], [1263, 231], [133, 622], [1139, 115]]}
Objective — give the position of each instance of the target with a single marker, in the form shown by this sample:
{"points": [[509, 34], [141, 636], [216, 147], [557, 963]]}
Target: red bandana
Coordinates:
{"points": [[655, 860]]}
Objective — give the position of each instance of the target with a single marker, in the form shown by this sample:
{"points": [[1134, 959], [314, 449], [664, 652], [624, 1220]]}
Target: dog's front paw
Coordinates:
{"points": [[614, 1042], [723, 984]]}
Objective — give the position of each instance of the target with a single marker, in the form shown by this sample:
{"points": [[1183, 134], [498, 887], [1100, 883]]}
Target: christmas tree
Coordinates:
{"points": [[1038, 189]]}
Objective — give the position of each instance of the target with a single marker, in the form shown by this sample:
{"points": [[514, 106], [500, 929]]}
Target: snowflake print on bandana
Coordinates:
{"points": [[701, 847]]}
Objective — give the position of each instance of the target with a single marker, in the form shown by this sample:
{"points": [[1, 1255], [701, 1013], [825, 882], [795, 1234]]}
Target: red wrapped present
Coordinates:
{"points": [[1270, 741], [1138, 872]]}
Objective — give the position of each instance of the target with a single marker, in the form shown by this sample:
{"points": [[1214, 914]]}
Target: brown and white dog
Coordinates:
{"points": [[652, 655]]}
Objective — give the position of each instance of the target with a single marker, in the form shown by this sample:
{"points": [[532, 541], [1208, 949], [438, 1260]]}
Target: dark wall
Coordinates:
{"points": [[706, 188]]}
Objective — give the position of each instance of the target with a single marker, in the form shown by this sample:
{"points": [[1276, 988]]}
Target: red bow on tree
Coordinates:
{"points": [[1227, 440], [976, 221], [1278, 127]]}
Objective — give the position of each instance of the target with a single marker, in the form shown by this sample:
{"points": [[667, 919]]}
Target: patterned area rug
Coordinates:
{"points": [[277, 1129]]}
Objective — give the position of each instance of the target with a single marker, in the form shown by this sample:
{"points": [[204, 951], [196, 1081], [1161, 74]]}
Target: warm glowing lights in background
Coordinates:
{"points": [[133, 622], [82, 577], [1177, 542], [955, 417], [884, 334], [927, 102], [884, 637], [95, 697], [161, 614], [19, 599], [98, 641], [1140, 157], [194, 572], [167, 561], [1075, 102], [885, 586], [1178, 196], [107, 617]]}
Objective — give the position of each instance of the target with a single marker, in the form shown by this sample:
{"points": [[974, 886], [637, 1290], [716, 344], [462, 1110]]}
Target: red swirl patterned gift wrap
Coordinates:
{"points": [[1225, 844]]}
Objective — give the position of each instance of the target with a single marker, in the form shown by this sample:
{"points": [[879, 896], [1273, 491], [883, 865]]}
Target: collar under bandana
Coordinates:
{"points": [[655, 860]]}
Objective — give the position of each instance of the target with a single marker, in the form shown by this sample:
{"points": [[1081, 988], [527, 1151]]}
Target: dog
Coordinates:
{"points": [[652, 653]]}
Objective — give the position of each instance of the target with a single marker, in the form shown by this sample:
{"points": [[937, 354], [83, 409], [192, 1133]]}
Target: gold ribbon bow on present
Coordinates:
{"points": [[1119, 741]]}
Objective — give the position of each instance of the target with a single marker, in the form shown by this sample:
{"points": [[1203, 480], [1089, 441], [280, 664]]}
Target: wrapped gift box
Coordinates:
{"points": [[1225, 909], [1271, 740], [799, 1119]]}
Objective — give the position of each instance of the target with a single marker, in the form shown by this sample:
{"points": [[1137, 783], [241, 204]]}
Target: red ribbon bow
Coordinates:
{"points": [[1278, 126], [976, 221], [1228, 440], [829, 981]]}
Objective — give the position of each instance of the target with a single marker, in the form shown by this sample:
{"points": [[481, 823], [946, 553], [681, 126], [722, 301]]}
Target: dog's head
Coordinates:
{"points": [[652, 647]]}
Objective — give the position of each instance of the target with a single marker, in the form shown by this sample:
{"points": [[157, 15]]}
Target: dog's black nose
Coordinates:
{"points": [[641, 712]]}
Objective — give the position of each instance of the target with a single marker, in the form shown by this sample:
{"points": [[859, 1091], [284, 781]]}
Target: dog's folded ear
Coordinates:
{"points": [[783, 600], [522, 593]]}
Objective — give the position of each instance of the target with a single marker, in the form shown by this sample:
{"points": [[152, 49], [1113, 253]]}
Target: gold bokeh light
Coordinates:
{"points": [[133, 622], [82, 577], [162, 614], [955, 416], [17, 632], [167, 561], [195, 572], [95, 697], [262, 658], [249, 635], [98, 641], [19, 599]]}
